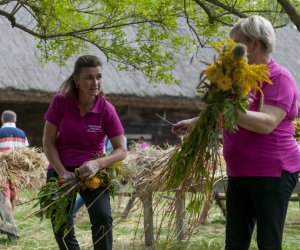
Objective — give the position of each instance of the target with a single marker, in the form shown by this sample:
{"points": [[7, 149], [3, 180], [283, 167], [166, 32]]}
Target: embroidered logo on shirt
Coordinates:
{"points": [[94, 128]]}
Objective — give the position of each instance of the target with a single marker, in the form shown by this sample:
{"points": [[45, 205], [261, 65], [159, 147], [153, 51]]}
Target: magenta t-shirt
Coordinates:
{"points": [[80, 138], [251, 154]]}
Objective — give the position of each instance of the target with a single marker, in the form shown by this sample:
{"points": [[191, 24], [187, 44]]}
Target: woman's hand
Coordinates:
{"points": [[90, 168], [67, 175], [180, 128]]}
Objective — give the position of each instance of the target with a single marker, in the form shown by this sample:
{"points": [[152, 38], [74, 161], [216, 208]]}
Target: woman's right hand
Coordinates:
{"points": [[180, 128], [67, 175]]}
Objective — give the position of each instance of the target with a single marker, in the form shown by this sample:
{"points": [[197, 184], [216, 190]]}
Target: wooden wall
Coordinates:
{"points": [[136, 121]]}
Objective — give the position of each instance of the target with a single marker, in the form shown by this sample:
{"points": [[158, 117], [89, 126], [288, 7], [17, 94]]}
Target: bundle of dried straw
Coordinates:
{"points": [[24, 167]]}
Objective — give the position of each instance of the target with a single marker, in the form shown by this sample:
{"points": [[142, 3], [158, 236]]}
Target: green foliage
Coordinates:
{"points": [[39, 235], [54, 200], [138, 35]]}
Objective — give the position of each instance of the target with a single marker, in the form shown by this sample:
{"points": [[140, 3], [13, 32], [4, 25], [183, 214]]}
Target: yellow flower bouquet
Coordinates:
{"points": [[297, 129], [224, 87], [55, 196]]}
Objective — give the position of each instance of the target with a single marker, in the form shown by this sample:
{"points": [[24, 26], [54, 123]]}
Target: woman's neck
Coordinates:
{"points": [[86, 104], [86, 101]]}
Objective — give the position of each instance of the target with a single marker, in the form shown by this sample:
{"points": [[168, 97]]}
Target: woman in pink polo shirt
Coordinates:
{"points": [[262, 157], [77, 122]]}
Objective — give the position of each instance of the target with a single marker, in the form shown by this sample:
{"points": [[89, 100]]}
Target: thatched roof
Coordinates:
{"points": [[23, 79]]}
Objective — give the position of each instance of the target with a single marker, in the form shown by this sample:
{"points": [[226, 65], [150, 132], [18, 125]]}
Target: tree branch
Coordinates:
{"points": [[291, 11], [225, 7], [70, 33], [207, 11], [4, 2], [190, 25]]}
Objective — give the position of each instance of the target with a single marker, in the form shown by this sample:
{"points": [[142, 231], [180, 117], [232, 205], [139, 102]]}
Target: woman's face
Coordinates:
{"points": [[89, 81]]}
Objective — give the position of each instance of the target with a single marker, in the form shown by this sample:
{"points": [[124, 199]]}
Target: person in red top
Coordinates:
{"points": [[143, 143]]}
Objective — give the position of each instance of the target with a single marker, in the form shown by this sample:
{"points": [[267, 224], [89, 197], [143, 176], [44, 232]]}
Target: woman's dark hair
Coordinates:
{"points": [[68, 87]]}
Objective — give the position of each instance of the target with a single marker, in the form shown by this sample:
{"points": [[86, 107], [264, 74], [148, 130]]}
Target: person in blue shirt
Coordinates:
{"points": [[11, 137]]}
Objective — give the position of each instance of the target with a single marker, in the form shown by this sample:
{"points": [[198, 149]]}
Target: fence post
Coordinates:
{"points": [[148, 220], [180, 214], [129, 205]]}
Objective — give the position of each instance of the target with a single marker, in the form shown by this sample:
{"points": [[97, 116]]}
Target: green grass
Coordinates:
{"points": [[128, 234]]}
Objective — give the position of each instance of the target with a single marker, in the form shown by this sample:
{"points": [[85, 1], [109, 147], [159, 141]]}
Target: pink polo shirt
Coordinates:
{"points": [[251, 154], [80, 138]]}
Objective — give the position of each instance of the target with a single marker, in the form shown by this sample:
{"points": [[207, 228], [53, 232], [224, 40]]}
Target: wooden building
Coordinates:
{"points": [[27, 88]]}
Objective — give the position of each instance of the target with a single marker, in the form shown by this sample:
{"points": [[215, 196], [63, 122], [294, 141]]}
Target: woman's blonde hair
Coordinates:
{"points": [[68, 87], [255, 27]]}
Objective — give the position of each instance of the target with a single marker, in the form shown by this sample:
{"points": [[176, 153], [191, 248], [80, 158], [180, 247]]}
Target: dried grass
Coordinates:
{"points": [[146, 166], [151, 168], [24, 167]]}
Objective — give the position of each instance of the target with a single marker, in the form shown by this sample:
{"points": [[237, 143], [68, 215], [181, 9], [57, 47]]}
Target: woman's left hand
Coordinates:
{"points": [[90, 168]]}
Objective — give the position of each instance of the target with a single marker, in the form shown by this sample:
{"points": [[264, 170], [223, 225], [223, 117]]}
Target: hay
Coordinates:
{"points": [[145, 166], [149, 169], [24, 167]]}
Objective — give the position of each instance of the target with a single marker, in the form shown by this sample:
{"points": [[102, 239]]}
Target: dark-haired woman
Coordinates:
{"points": [[77, 122]]}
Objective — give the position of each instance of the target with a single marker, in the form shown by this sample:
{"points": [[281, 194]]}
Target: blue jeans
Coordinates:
{"points": [[100, 217], [78, 204]]}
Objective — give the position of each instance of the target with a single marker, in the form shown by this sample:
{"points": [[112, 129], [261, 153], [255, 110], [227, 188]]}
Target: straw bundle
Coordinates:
{"points": [[24, 167], [149, 168], [146, 166]]}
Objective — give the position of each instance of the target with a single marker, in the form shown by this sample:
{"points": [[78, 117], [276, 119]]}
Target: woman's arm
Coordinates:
{"points": [[262, 122], [119, 151], [49, 137], [90, 168]]}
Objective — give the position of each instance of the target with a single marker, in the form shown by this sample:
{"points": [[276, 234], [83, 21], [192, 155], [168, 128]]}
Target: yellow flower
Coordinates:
{"points": [[210, 72], [118, 163], [224, 82], [94, 183], [232, 72], [238, 76]]}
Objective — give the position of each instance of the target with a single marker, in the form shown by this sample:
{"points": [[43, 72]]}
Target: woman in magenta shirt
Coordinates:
{"points": [[77, 122], [262, 157]]}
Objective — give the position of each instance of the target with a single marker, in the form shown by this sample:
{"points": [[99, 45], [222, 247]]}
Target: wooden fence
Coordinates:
{"points": [[219, 191]]}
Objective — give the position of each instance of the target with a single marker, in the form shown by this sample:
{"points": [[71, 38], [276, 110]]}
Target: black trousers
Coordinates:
{"points": [[260, 200], [100, 218]]}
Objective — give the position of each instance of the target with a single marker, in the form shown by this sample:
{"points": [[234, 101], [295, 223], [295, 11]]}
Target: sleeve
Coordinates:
{"points": [[56, 110], [112, 124], [26, 142], [281, 93]]}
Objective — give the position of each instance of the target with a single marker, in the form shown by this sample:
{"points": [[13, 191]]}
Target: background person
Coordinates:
{"points": [[11, 137], [262, 157], [77, 122], [143, 143]]}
